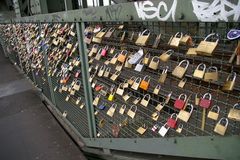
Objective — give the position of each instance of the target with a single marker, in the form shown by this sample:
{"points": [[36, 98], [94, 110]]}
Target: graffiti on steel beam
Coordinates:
{"points": [[91, 12], [147, 10], [113, 12], [217, 10]]}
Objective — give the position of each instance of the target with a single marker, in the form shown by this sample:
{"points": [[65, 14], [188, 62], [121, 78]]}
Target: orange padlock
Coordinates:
{"points": [[145, 83]]}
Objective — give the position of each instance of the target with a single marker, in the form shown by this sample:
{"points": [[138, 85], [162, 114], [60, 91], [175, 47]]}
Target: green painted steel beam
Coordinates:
{"points": [[157, 10], [199, 147]]}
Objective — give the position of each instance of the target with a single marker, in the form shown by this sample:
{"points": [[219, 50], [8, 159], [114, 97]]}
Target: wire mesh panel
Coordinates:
{"points": [[153, 105]]}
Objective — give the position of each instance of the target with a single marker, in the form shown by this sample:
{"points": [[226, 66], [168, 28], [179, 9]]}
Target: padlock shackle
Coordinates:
{"points": [[134, 107], [165, 126], [235, 105], [165, 70], [191, 107], [155, 57], [124, 52], [169, 52], [174, 114], [115, 56], [234, 74], [117, 73], [106, 47], [184, 61], [207, 94], [138, 80], [201, 64], [121, 86], [145, 31], [180, 126], [179, 33], [111, 29], [102, 68], [212, 34], [215, 106], [212, 67], [222, 119], [108, 69], [133, 78], [114, 105], [158, 86], [147, 78], [124, 106], [147, 96], [181, 95]]}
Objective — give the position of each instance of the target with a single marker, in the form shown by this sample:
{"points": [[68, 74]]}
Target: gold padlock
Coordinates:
{"points": [[179, 71], [176, 40], [154, 63], [127, 96], [220, 128], [199, 72], [192, 52], [211, 74], [230, 82], [185, 115], [132, 113], [136, 83], [163, 76], [214, 112], [101, 71], [182, 83], [155, 115], [146, 59], [157, 89], [101, 123], [127, 64], [122, 109], [112, 110], [137, 100], [234, 113], [114, 59], [197, 99], [143, 38], [115, 75], [96, 100], [166, 55], [157, 41], [145, 100], [131, 80], [206, 47], [179, 129], [120, 89], [142, 130]]}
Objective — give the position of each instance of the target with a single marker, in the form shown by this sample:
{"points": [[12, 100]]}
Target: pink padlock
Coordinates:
{"points": [[104, 51]]}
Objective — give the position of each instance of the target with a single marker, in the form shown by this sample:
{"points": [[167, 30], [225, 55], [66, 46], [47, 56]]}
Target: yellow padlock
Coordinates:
{"points": [[230, 82]]}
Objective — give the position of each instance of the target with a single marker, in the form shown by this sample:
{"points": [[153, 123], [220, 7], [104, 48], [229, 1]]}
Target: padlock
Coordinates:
{"points": [[220, 128], [101, 71], [98, 55], [180, 102], [125, 83], [172, 120], [157, 41], [179, 128], [146, 58], [64, 114], [163, 76], [101, 123], [127, 64], [82, 106], [139, 66], [145, 83], [115, 130], [145, 100], [104, 51], [214, 112], [143, 38], [96, 100], [230, 82], [98, 87], [157, 89], [112, 110], [127, 96], [197, 99], [155, 128], [115, 75], [131, 80], [166, 55], [192, 52], [77, 73], [111, 96], [176, 40], [163, 130], [119, 67], [77, 85], [78, 100], [179, 71], [107, 72], [185, 115], [199, 72], [137, 100], [155, 115], [107, 61], [182, 83], [109, 32], [160, 106], [234, 112], [122, 56], [168, 98], [114, 59], [206, 47], [102, 106], [122, 109], [132, 113], [120, 89], [136, 83], [67, 98], [101, 33], [72, 92], [186, 40], [134, 59], [205, 102], [141, 130], [154, 63], [211, 74]]}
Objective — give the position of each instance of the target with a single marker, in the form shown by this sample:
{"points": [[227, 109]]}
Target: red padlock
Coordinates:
{"points": [[180, 102], [104, 51], [205, 101], [98, 87], [172, 121], [77, 73]]}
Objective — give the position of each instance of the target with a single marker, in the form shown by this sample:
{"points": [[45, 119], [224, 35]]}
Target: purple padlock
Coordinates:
{"points": [[233, 34]]}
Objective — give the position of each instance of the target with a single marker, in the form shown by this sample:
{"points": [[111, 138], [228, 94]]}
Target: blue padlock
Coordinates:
{"points": [[101, 107]]}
